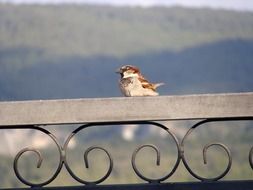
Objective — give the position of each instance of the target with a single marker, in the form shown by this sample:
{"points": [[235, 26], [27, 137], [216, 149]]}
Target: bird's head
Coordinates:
{"points": [[128, 71]]}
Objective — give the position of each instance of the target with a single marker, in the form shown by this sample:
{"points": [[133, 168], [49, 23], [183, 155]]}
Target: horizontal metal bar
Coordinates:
{"points": [[126, 109], [218, 185]]}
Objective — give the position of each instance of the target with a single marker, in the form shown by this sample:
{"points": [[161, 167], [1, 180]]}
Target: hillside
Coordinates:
{"points": [[94, 30], [62, 51]]}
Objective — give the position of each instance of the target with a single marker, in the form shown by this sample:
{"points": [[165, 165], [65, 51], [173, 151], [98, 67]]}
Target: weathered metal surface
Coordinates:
{"points": [[126, 109]]}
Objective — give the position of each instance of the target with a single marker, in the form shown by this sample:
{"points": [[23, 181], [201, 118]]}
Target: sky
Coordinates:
{"points": [[240, 5]]}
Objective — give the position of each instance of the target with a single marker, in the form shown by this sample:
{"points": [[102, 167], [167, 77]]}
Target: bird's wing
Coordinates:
{"points": [[146, 84]]}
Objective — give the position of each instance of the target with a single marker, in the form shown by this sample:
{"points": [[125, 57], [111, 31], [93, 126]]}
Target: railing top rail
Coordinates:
{"points": [[64, 111]]}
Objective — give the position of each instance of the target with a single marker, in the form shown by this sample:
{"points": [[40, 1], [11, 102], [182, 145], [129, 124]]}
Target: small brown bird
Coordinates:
{"points": [[133, 83]]}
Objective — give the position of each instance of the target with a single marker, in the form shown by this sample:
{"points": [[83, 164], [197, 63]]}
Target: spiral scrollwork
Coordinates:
{"points": [[86, 162], [65, 147], [87, 166], [39, 162], [204, 154], [110, 162], [157, 162], [180, 153], [157, 180]]}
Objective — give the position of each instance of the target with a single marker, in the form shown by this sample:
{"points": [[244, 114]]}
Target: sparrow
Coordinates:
{"points": [[133, 83]]}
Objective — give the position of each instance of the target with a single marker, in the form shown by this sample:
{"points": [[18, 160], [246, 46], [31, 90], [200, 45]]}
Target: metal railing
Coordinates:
{"points": [[125, 111]]}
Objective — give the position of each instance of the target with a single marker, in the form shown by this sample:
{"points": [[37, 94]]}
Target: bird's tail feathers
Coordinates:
{"points": [[158, 84]]}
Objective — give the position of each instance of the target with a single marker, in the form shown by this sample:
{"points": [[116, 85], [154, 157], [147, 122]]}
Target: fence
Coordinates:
{"points": [[139, 110]]}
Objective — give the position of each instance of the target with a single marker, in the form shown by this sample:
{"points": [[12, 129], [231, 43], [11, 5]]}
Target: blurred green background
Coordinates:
{"points": [[65, 51], [72, 50]]}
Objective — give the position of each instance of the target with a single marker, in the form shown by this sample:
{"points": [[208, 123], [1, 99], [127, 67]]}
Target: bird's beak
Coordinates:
{"points": [[118, 71]]}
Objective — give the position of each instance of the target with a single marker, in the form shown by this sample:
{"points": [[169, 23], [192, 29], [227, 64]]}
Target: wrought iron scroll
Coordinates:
{"points": [[110, 158], [40, 158], [158, 180], [65, 147], [204, 154], [63, 154], [222, 146]]}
